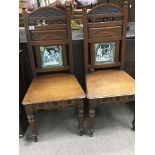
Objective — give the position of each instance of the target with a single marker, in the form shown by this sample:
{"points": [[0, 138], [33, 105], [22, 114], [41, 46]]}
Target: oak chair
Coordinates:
{"points": [[104, 51], [54, 86]]}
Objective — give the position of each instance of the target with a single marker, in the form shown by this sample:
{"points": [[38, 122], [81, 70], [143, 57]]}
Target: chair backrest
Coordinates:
{"points": [[105, 36], [49, 37]]}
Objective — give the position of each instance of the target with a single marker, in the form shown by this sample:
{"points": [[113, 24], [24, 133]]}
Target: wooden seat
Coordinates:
{"points": [[109, 83], [50, 88]]}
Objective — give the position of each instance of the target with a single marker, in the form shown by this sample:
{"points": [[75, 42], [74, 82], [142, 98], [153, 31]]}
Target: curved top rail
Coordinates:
{"points": [[47, 12], [105, 9]]}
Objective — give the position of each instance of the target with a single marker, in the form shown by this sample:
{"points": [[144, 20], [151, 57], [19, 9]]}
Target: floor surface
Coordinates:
{"points": [[58, 134]]}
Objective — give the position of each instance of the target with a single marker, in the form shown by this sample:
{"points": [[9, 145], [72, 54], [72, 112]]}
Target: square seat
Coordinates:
{"points": [[109, 83], [55, 87]]}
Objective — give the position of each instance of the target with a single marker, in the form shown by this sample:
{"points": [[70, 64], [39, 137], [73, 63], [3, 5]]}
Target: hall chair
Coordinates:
{"points": [[104, 54], [54, 86]]}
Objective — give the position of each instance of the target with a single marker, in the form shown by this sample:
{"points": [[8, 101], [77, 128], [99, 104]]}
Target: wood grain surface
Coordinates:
{"points": [[108, 83], [49, 88]]}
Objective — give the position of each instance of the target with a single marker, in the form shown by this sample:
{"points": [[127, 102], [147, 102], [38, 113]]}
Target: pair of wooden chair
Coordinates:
{"points": [[48, 32]]}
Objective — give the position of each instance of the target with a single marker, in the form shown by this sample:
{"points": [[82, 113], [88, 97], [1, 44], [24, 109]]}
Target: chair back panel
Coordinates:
{"points": [[104, 36], [102, 32], [49, 38], [49, 35]]}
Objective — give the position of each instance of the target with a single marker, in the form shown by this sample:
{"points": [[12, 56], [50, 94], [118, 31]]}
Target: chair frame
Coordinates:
{"points": [[114, 30], [62, 35]]}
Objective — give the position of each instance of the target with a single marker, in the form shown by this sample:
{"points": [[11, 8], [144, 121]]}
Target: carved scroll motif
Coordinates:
{"points": [[54, 105], [46, 12], [117, 99], [105, 10]]}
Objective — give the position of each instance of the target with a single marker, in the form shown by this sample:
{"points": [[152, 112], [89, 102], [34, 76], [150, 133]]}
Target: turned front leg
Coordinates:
{"points": [[32, 123], [91, 120], [133, 124], [81, 118]]}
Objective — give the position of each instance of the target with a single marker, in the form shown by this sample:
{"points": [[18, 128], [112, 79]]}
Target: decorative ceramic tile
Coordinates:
{"points": [[104, 52], [51, 55], [87, 2]]}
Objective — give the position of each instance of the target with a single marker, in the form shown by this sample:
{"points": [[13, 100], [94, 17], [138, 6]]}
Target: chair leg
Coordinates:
{"points": [[81, 119], [133, 124], [91, 121], [32, 123]]}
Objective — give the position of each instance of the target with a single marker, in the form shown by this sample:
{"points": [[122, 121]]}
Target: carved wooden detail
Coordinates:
{"points": [[115, 99], [105, 9], [31, 117], [81, 111], [46, 16], [49, 34], [91, 120], [47, 12], [54, 105], [91, 112], [32, 123], [81, 120]]}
